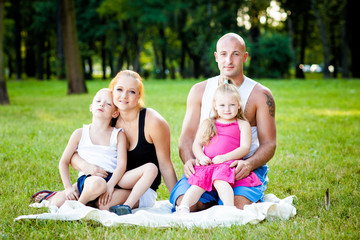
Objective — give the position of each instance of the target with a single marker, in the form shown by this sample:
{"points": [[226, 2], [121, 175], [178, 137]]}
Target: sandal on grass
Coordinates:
{"points": [[48, 195]]}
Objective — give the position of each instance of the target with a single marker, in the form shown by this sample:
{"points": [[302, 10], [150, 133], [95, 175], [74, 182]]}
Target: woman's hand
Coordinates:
{"points": [[79, 164], [95, 170], [71, 194], [105, 198]]}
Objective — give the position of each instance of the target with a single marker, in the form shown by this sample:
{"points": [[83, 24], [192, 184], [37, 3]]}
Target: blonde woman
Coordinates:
{"points": [[148, 141]]}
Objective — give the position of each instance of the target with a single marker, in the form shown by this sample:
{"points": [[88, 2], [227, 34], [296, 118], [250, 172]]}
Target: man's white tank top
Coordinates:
{"points": [[207, 104], [100, 155]]}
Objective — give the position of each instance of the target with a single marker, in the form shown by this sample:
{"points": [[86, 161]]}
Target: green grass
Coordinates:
{"points": [[318, 126]]}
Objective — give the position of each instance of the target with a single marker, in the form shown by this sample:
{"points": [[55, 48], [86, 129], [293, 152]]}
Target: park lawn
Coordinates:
{"points": [[318, 148]]}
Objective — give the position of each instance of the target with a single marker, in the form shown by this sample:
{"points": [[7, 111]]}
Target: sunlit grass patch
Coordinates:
{"points": [[318, 129]]}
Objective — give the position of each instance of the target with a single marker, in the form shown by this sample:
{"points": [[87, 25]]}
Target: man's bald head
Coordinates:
{"points": [[232, 37]]}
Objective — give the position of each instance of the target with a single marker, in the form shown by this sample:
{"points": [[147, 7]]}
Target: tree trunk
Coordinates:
{"points": [[334, 50], [103, 58], [32, 48], [183, 40], [323, 37], [196, 65], [87, 66], [10, 65], [163, 52], [345, 63], [121, 58], [4, 98], [74, 70], [355, 38], [18, 60], [182, 58], [172, 72], [254, 63], [91, 67], [124, 52], [137, 55], [60, 66], [111, 62], [47, 60], [40, 60], [157, 61], [303, 43]]}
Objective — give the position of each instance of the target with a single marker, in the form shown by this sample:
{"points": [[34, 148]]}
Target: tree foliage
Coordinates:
{"points": [[276, 56], [177, 39]]}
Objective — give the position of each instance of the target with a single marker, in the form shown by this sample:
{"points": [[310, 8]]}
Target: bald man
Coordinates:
{"points": [[259, 107]]}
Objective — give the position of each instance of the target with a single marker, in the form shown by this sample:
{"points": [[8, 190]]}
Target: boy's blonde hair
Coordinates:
{"points": [[229, 89]]}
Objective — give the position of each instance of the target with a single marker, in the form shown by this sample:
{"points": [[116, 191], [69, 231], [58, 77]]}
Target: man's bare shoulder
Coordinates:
{"points": [[263, 97], [197, 90], [260, 98], [260, 89], [259, 93], [200, 86]]}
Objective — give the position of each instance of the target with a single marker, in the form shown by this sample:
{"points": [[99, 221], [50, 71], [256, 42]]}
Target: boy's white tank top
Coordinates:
{"points": [[100, 155], [207, 103]]}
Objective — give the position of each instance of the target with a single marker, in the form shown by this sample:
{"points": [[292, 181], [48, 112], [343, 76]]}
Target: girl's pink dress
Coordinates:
{"points": [[226, 140]]}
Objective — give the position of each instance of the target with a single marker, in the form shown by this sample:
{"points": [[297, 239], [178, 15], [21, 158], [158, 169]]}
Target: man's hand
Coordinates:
{"points": [[95, 170], [189, 168], [242, 169]]}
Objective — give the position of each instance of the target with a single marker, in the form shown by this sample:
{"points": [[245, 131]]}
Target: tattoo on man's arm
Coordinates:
{"points": [[271, 104]]}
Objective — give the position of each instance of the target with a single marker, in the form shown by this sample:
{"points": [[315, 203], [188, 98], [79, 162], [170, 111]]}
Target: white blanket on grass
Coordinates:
{"points": [[160, 214]]}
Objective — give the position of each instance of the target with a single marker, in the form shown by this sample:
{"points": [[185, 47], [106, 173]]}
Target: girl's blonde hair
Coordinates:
{"points": [[134, 75], [210, 128]]}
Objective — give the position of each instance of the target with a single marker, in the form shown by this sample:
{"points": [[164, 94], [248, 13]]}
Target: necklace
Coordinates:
{"points": [[227, 81], [133, 119], [125, 126]]}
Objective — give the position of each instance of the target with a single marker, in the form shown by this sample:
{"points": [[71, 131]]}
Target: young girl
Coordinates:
{"points": [[220, 140], [106, 147]]}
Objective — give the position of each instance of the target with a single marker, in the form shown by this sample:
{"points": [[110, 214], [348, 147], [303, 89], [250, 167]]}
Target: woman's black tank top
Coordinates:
{"points": [[144, 152]]}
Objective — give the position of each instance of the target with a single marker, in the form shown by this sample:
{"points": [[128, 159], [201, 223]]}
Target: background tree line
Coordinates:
{"points": [[172, 39]]}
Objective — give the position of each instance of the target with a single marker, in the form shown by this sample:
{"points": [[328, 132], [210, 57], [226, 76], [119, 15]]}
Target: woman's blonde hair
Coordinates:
{"points": [[210, 128], [134, 75]]}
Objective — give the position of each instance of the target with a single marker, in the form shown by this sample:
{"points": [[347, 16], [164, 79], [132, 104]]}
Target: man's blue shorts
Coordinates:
{"points": [[254, 194]]}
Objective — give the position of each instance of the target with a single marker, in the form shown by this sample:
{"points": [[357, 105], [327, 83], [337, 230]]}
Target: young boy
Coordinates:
{"points": [[100, 144]]}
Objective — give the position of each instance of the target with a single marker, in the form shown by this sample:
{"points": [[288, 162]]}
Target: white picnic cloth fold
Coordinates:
{"points": [[160, 214]]}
